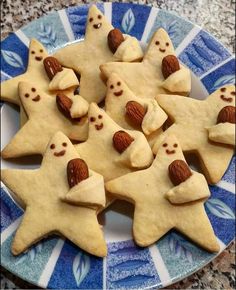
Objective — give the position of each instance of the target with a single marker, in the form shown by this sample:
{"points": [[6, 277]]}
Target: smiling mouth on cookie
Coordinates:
{"points": [[170, 151], [97, 26], [99, 127], [61, 153], [117, 94], [36, 99]]}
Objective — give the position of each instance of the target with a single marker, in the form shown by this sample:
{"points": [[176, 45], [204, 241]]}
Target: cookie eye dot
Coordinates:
{"points": [[167, 44], [99, 116], [52, 146], [41, 50], [92, 119], [157, 42], [222, 96], [26, 95], [33, 52], [223, 89], [90, 19], [232, 93], [33, 90], [175, 145], [165, 145], [119, 83], [99, 16], [111, 87], [64, 144]]}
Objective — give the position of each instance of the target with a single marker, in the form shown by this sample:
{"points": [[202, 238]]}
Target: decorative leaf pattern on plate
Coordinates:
{"points": [[5, 214], [128, 21], [227, 79], [125, 250], [132, 281], [178, 247], [194, 60], [210, 45], [81, 267], [203, 53], [218, 208], [12, 58], [130, 264], [31, 254], [46, 35]]}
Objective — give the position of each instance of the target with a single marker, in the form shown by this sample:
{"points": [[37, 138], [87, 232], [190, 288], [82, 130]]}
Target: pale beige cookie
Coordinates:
{"points": [[86, 56], [154, 214], [146, 79], [45, 212], [131, 112], [34, 74], [44, 121], [113, 156], [192, 118]]}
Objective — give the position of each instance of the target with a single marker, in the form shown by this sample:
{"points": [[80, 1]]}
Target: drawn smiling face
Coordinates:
{"points": [[227, 95], [224, 96], [32, 95], [170, 148], [95, 18], [96, 120], [58, 149], [116, 88]]}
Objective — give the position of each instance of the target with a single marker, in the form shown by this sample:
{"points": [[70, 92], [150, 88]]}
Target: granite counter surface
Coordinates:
{"points": [[218, 18]]}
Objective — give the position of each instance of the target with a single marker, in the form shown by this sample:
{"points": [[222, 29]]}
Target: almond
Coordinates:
{"points": [[114, 39], [135, 112], [64, 104], [227, 114], [170, 64], [77, 170], [52, 66], [179, 171], [121, 141]]}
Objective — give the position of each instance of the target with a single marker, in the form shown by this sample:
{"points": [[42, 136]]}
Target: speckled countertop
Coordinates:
{"points": [[217, 17]]}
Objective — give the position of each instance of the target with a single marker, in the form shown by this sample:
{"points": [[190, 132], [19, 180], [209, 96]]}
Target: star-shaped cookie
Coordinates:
{"points": [[44, 121], [99, 150], [192, 118], [131, 112], [146, 79], [40, 191], [155, 211], [34, 74], [86, 56]]}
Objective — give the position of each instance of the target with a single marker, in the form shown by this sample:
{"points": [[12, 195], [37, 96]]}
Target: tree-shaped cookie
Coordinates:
{"points": [[37, 75], [158, 73], [40, 191], [167, 195], [111, 150], [102, 43], [45, 119], [192, 120]]}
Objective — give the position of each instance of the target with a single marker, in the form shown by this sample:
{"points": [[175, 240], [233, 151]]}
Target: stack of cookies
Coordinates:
{"points": [[118, 131]]}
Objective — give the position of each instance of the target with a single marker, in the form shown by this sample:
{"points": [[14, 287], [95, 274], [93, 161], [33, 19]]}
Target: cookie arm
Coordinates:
{"points": [[9, 90], [194, 188], [222, 133]]}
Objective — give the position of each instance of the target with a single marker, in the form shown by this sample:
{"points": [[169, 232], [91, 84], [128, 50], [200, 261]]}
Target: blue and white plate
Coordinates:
{"points": [[57, 263]]}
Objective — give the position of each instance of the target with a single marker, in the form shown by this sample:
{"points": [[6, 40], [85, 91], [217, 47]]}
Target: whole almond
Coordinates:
{"points": [[77, 170], [227, 114], [170, 64], [179, 171], [121, 141], [64, 104], [114, 39], [135, 112], [52, 66]]}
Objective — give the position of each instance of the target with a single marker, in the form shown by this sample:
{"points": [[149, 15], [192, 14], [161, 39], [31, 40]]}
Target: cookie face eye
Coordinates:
{"points": [[41, 50], [232, 93], [175, 145], [99, 16], [91, 19], [165, 145], [27, 95], [167, 44], [33, 90], [92, 119], [157, 42], [64, 144], [223, 89], [119, 83], [52, 146], [99, 116], [32, 52], [111, 87]]}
